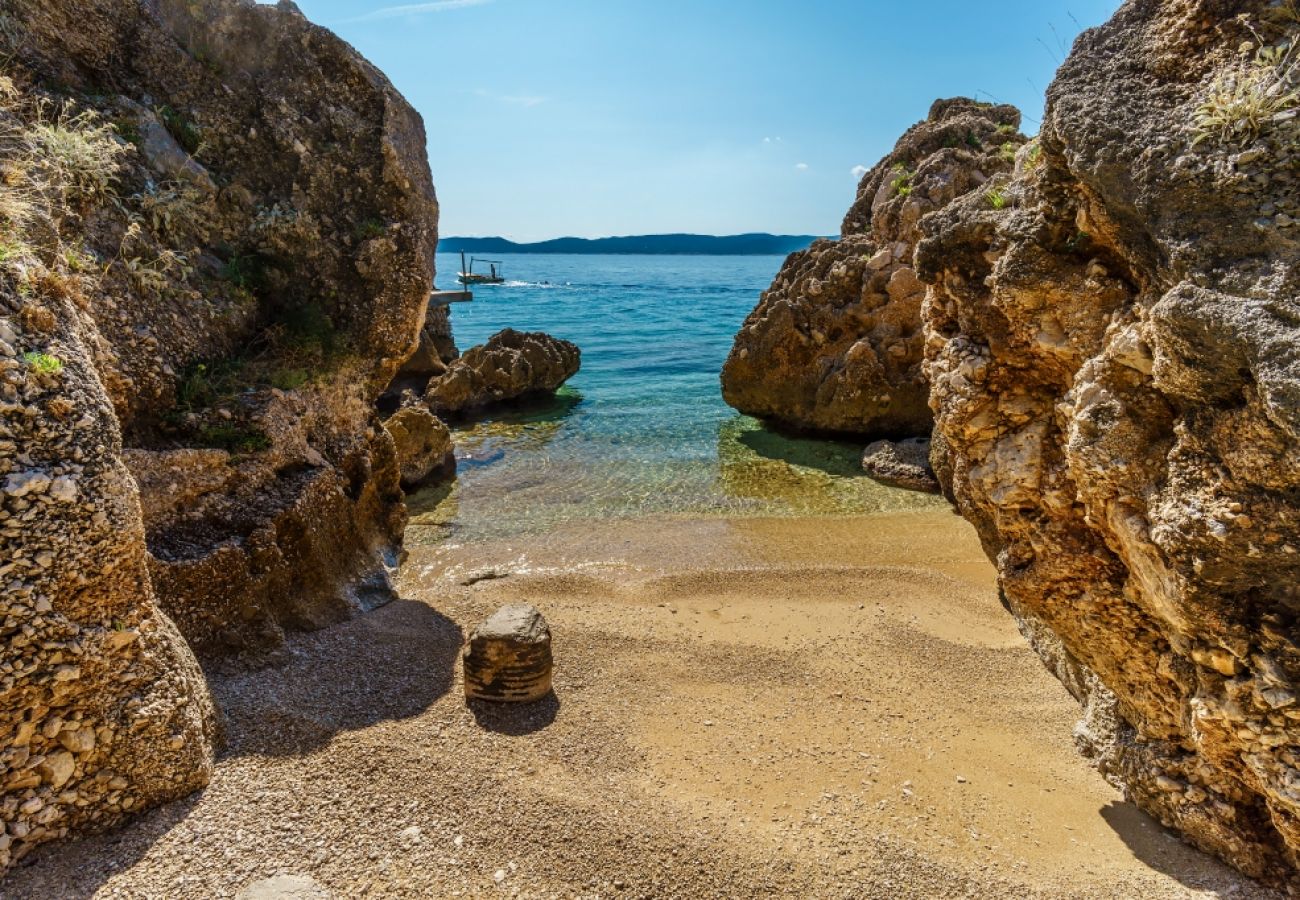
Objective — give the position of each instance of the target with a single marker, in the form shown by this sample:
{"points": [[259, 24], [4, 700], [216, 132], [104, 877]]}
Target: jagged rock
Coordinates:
{"points": [[254, 239], [835, 344], [904, 464], [423, 445], [512, 365], [1114, 375], [508, 657]]}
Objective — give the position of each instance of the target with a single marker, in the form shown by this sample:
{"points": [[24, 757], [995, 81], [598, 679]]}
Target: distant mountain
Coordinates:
{"points": [[659, 244]]}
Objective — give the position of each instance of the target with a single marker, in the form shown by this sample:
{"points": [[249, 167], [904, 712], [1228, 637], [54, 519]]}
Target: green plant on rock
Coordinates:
{"points": [[997, 198], [1248, 96], [43, 363], [182, 129], [369, 228], [233, 438], [901, 184], [1007, 152], [1034, 156], [246, 271]]}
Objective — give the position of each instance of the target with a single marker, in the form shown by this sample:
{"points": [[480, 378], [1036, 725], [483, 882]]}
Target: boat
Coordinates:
{"points": [[468, 276]]}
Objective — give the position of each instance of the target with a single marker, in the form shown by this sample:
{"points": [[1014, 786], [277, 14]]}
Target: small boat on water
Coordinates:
{"points": [[468, 276]]}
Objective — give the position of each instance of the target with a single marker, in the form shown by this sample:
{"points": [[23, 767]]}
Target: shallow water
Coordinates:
{"points": [[641, 429]]}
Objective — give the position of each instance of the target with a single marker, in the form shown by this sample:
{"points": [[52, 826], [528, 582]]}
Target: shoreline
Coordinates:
{"points": [[723, 725]]}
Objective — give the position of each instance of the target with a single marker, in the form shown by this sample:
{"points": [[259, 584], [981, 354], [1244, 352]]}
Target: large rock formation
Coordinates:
{"points": [[835, 344], [512, 365], [1115, 378], [218, 227]]}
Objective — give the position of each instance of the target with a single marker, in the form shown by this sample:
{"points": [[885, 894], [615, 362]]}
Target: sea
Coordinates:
{"points": [[642, 429]]}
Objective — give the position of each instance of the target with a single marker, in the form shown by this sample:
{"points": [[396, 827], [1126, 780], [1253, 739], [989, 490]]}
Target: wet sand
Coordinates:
{"points": [[811, 707]]}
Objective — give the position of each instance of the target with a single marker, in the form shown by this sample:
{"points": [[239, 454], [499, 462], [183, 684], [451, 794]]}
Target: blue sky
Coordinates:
{"points": [[596, 117]]}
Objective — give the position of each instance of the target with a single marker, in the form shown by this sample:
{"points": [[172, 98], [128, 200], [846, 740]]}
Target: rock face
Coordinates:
{"points": [[904, 464], [508, 657], [512, 365], [1115, 379], [836, 344], [218, 224], [423, 445]]}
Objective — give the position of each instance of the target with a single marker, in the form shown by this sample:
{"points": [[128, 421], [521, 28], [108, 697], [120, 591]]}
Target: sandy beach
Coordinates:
{"points": [[733, 717]]}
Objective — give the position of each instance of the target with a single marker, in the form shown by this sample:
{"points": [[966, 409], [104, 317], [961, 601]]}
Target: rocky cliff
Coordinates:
{"points": [[1112, 355], [835, 344], [217, 228]]}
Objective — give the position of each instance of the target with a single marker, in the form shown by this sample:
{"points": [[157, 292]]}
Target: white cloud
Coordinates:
{"points": [[802, 167], [416, 9], [858, 171]]}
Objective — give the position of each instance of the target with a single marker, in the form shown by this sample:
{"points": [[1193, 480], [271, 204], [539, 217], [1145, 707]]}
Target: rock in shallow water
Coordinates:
{"points": [[508, 658], [904, 464], [512, 365]]}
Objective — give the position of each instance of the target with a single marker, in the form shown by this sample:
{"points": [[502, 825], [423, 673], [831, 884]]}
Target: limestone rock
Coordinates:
{"points": [[1114, 376], [835, 344], [508, 657], [904, 464], [512, 365], [423, 445], [190, 437]]}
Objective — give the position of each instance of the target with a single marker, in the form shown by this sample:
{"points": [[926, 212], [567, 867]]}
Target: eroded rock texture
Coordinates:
{"points": [[1116, 385], [218, 228], [423, 443], [836, 343], [512, 365]]}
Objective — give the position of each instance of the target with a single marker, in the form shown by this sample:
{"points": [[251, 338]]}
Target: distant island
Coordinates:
{"points": [[658, 244]]}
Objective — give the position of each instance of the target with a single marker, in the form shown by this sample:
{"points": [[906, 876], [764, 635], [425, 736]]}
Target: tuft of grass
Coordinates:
{"points": [[973, 141], [43, 363], [370, 228], [176, 210], [1007, 152], [1034, 156], [997, 198], [1247, 97], [1005, 129], [901, 184], [75, 152], [182, 129]]}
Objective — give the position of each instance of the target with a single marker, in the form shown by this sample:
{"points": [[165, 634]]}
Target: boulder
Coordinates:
{"points": [[202, 466], [835, 344], [512, 365], [423, 445], [508, 657], [1113, 369], [904, 464]]}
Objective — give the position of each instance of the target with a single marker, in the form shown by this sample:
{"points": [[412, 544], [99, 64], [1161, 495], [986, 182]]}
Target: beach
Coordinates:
{"points": [[811, 707]]}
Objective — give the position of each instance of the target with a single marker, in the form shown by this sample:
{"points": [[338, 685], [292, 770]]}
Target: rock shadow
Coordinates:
{"points": [[741, 439], [1165, 852], [392, 663], [516, 719]]}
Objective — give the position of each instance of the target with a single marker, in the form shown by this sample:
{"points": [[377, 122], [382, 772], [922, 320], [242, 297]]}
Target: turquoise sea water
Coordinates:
{"points": [[641, 429]]}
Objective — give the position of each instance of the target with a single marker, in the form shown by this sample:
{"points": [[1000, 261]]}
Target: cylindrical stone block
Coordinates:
{"points": [[508, 658]]}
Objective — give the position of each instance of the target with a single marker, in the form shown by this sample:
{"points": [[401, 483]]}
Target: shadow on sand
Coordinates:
{"points": [[1164, 852], [516, 719], [392, 663]]}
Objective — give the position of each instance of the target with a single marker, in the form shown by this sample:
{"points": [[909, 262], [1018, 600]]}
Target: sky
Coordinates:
{"points": [[551, 118]]}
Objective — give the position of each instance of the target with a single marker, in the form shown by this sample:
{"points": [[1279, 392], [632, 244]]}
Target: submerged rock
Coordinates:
{"points": [[835, 344], [904, 464], [512, 365], [508, 657], [1113, 369]]}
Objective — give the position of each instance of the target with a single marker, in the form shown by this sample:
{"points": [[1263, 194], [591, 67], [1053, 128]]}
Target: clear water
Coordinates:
{"points": [[641, 429]]}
